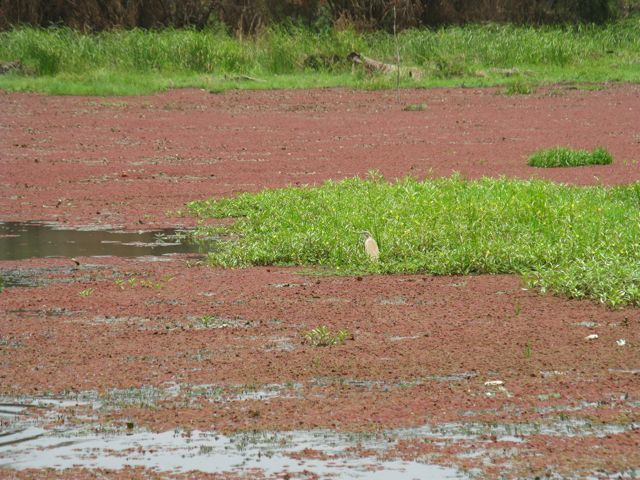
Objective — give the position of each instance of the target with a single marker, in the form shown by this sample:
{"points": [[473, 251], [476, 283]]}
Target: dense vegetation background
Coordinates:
{"points": [[249, 16]]}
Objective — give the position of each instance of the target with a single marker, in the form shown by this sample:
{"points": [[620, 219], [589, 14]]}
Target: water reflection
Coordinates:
{"points": [[26, 442], [20, 240]]}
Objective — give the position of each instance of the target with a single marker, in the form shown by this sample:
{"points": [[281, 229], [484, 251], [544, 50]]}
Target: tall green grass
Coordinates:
{"points": [[470, 55], [565, 157], [583, 242]]}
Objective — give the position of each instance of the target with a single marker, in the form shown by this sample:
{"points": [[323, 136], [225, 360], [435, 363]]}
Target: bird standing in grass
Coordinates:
{"points": [[370, 246]]}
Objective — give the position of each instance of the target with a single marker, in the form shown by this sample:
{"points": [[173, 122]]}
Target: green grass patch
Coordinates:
{"points": [[415, 107], [65, 61], [565, 157], [323, 337], [582, 242], [519, 88]]}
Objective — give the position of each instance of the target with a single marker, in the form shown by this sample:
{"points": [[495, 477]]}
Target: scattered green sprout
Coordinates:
{"points": [[126, 282], [415, 107], [519, 88], [207, 321], [132, 282], [323, 337], [145, 283], [582, 242], [86, 292], [316, 362], [528, 350], [565, 157], [106, 103]]}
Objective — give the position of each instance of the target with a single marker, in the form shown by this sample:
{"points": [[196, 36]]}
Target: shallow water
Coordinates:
{"points": [[26, 444], [38, 433], [206, 452], [21, 240]]}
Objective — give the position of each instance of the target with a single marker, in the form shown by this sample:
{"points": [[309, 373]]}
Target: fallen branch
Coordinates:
{"points": [[7, 67], [375, 66], [237, 78]]}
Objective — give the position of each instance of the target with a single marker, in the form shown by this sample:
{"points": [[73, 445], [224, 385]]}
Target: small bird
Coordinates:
{"points": [[370, 246]]}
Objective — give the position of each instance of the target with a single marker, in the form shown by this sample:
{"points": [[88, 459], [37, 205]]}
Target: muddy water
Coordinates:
{"points": [[38, 433], [24, 443], [20, 240], [208, 452]]}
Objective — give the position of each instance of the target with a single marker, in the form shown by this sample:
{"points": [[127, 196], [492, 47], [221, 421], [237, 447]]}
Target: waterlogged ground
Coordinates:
{"points": [[154, 366]]}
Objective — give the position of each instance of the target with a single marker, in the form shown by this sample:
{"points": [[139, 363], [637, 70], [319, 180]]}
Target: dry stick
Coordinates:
{"points": [[395, 36]]}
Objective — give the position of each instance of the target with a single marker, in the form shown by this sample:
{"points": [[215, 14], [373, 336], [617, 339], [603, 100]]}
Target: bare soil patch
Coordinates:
{"points": [[421, 349]]}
